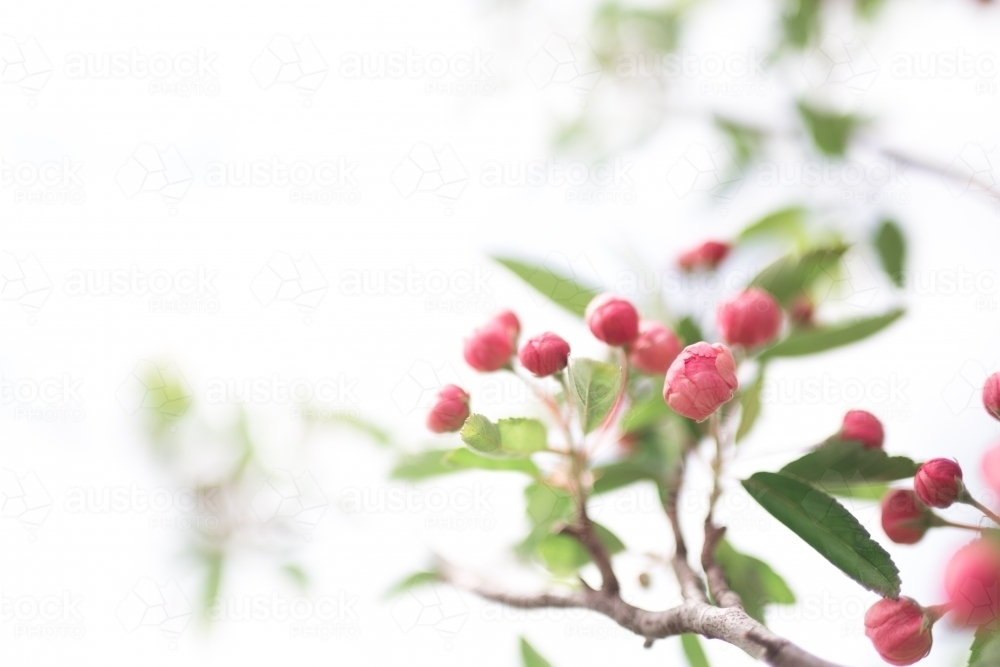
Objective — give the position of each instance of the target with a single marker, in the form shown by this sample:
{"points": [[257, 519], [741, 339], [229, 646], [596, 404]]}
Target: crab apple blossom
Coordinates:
{"points": [[544, 354], [508, 320], [750, 319], [900, 630], [708, 255], [972, 583], [450, 410], [489, 348], [991, 467], [700, 380], [612, 319], [864, 427], [938, 483], [904, 518], [991, 395], [655, 348]]}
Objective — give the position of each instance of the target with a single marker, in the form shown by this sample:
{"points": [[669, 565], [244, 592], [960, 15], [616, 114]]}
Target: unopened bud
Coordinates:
{"points": [[900, 630], [655, 348], [450, 410], [904, 518], [544, 354], [700, 380], [938, 483], [706, 256], [612, 319], [750, 319], [991, 395], [972, 582], [863, 427]]}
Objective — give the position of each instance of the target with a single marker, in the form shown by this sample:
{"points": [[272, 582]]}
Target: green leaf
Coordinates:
{"points": [[693, 651], [522, 436], [790, 276], [563, 291], [595, 387], [646, 412], [745, 140], [530, 657], [821, 339], [985, 651], [465, 459], [412, 581], [689, 331], [547, 504], [750, 405], [831, 132], [617, 475], [753, 580], [801, 21], [891, 248], [213, 578], [564, 555], [413, 467], [786, 223], [827, 527], [846, 464], [481, 434]]}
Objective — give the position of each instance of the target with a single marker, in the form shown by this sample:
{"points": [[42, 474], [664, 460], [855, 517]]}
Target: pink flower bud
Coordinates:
{"points": [[991, 467], [864, 427], [489, 348], [544, 354], [655, 348], [612, 319], [750, 319], [802, 311], [938, 482], [509, 321], [706, 256], [972, 582], [450, 410], [991, 395], [904, 517], [700, 379], [900, 630]]}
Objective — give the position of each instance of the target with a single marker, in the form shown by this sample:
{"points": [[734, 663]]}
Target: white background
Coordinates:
{"points": [[936, 357]]}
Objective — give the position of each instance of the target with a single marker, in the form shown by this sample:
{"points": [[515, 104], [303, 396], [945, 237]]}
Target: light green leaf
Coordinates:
{"points": [[414, 580], [753, 580], [522, 436], [985, 651], [821, 339], [465, 459], [891, 246], [790, 276], [786, 223], [693, 651], [372, 430], [801, 20], [831, 132], [750, 405], [413, 467], [562, 290], [646, 412], [564, 555], [481, 434], [745, 140], [595, 387], [827, 527], [547, 504], [530, 657]]}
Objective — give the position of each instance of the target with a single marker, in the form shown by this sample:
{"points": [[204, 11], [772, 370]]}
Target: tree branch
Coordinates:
{"points": [[731, 625]]}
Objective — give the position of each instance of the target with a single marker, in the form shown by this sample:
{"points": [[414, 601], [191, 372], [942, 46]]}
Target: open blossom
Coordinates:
{"points": [[938, 482], [972, 580], [900, 630], [655, 348], [751, 319], [544, 354], [991, 395], [904, 518], [612, 319], [864, 427], [706, 256], [700, 380], [450, 410]]}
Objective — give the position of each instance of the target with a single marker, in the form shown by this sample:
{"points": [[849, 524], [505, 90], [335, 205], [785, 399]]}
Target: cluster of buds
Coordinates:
{"points": [[901, 629]]}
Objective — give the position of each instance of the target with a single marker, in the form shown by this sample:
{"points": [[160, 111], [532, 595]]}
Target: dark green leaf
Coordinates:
{"points": [[530, 657], [565, 292], [827, 527], [985, 651], [750, 405], [689, 331], [481, 434], [753, 580], [821, 339], [522, 436], [594, 386], [618, 475], [786, 223], [831, 132], [413, 581], [791, 275], [693, 651], [846, 467], [891, 248]]}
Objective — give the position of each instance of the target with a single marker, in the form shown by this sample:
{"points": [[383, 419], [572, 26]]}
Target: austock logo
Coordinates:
{"points": [[295, 64], [149, 171], [432, 172], [151, 606], [24, 281], [24, 499], [24, 64], [286, 279], [713, 172], [561, 62]]}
